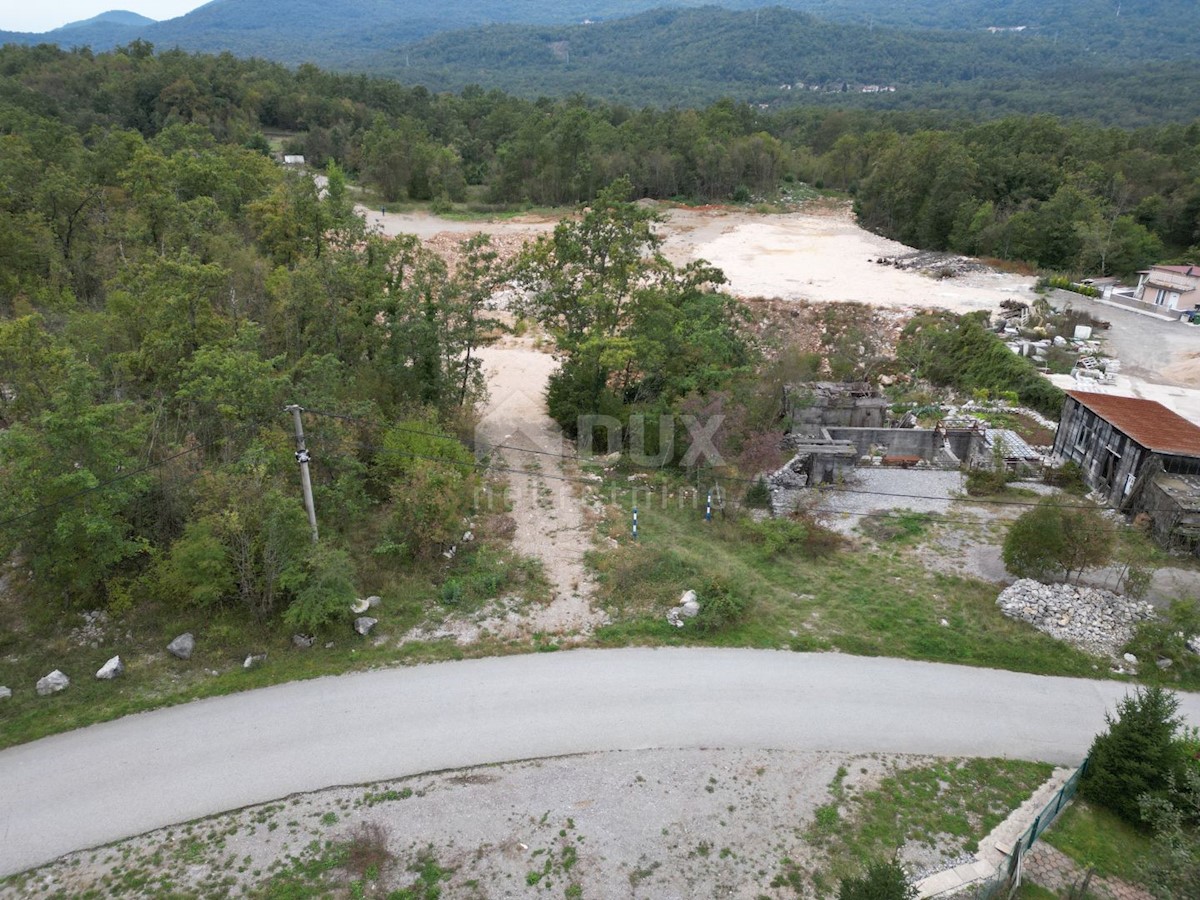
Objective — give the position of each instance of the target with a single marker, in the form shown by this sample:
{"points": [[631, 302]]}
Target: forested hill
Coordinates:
{"points": [[334, 32], [1079, 58], [780, 57], [165, 288]]}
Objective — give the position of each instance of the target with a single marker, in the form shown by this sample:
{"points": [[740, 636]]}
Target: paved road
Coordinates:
{"points": [[143, 772]]}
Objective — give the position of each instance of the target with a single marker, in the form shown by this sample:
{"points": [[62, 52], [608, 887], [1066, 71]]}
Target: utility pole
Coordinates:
{"points": [[302, 457]]}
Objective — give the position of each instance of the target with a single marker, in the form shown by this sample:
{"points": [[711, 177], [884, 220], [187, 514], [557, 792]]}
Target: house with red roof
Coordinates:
{"points": [[1141, 456], [1170, 287]]}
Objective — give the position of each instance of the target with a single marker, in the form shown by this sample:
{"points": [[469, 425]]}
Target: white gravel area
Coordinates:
{"points": [[650, 823]]}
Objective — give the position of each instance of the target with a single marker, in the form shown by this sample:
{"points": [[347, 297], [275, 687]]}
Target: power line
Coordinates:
{"points": [[983, 501], [939, 518]]}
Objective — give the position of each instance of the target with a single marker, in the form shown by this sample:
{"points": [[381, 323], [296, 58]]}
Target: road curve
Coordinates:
{"points": [[125, 777]]}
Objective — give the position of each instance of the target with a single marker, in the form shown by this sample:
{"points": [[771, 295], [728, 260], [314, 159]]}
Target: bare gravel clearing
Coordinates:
{"points": [[649, 823]]}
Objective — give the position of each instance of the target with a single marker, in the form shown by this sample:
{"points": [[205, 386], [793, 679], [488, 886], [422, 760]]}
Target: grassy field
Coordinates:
{"points": [[1094, 837], [869, 600], [948, 806]]}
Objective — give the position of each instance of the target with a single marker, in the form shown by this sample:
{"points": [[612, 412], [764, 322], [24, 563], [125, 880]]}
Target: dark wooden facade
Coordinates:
{"points": [[1110, 459]]}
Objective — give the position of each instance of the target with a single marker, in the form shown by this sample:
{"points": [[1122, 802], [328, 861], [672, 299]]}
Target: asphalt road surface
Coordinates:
{"points": [[143, 772]]}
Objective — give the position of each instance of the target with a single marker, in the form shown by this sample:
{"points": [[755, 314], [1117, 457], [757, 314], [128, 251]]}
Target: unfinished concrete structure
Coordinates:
{"points": [[838, 425], [1173, 504], [810, 407]]}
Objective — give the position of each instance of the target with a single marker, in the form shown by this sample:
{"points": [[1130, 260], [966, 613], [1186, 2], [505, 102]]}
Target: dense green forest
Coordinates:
{"points": [[338, 32], [165, 288], [1114, 63], [783, 58], [1061, 195]]}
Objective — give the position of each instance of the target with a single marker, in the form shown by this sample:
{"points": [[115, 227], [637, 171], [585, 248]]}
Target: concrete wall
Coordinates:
{"points": [[922, 442], [963, 442]]}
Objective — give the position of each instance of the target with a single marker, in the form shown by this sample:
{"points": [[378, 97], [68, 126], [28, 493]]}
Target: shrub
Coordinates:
{"points": [[1056, 538], [1173, 869], [721, 607], [1138, 755], [795, 535], [959, 351], [1166, 638], [1068, 477], [882, 881], [986, 482], [326, 592], [759, 495]]}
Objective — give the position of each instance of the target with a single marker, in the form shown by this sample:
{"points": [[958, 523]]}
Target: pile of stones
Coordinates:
{"points": [[1094, 620]]}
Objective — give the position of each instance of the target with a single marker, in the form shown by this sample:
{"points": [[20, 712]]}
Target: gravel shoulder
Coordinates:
{"points": [[640, 823]]}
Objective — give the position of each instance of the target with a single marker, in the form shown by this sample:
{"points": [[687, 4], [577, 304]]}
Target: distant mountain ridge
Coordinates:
{"points": [[322, 31], [111, 17], [772, 57], [1110, 60]]}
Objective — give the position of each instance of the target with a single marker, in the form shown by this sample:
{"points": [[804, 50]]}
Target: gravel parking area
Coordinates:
{"points": [[879, 490]]}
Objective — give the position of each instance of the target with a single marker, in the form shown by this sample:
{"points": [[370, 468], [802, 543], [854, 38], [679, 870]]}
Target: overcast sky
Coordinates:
{"points": [[19, 16]]}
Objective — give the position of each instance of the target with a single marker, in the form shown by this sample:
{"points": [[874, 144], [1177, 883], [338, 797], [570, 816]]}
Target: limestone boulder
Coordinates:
{"points": [[111, 669], [53, 683], [183, 646]]}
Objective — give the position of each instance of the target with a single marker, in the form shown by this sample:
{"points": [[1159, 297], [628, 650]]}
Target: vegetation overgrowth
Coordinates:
{"points": [[1072, 198], [166, 288]]}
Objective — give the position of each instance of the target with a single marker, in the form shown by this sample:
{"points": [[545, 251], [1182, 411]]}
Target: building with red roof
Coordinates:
{"points": [[1141, 456]]}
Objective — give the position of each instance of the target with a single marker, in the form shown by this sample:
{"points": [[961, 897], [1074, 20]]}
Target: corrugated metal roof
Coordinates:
{"points": [[1146, 421]]}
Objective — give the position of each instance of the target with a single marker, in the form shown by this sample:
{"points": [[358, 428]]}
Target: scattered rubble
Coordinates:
{"points": [[449, 245], [254, 660], [1094, 620], [111, 669], [937, 265], [183, 646], [53, 683], [688, 608], [91, 632], [302, 641], [364, 624]]}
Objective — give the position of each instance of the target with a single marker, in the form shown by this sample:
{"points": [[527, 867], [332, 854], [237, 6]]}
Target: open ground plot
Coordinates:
{"points": [[641, 823]]}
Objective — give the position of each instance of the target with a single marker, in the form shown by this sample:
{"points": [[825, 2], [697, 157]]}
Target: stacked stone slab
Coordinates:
{"points": [[1094, 620]]}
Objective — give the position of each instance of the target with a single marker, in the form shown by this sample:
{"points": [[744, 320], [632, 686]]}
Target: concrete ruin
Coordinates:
{"points": [[836, 427]]}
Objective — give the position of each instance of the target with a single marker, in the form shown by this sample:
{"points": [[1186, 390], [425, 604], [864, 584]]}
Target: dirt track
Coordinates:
{"points": [[530, 450]]}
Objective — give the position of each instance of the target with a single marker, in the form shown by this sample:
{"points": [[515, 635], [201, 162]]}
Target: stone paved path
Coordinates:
{"points": [[1054, 870]]}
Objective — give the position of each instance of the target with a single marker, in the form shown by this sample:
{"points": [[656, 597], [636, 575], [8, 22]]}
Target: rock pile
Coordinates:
{"points": [[91, 632], [1094, 620], [937, 265], [688, 608]]}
